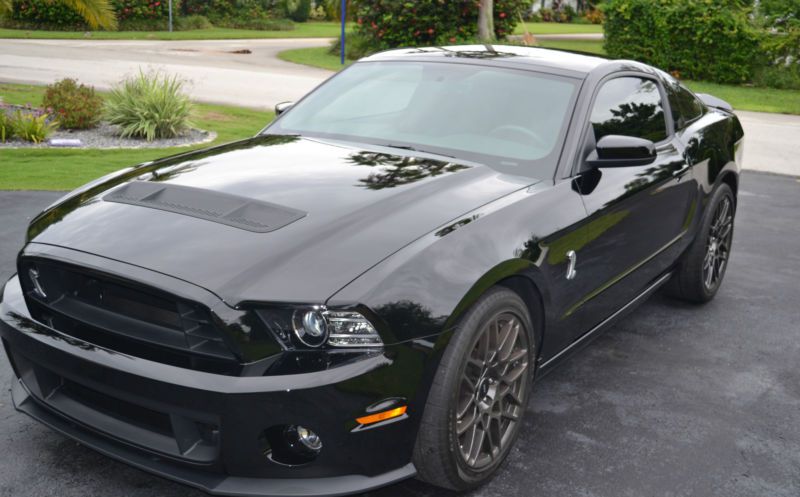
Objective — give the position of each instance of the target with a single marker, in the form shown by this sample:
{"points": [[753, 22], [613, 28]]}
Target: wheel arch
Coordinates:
{"points": [[520, 276]]}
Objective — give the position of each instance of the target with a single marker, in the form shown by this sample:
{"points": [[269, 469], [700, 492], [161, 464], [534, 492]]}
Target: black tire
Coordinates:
{"points": [[440, 455], [710, 249]]}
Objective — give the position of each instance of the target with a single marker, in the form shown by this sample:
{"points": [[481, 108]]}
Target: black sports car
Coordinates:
{"points": [[367, 289]]}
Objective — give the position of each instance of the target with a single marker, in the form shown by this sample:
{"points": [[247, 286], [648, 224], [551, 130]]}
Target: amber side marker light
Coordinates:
{"points": [[382, 416]]}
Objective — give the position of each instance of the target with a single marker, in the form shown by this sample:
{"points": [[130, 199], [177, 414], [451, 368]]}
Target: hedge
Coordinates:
{"points": [[697, 39]]}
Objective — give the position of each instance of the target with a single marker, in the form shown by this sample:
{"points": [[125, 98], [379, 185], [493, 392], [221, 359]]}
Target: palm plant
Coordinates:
{"points": [[96, 13]]}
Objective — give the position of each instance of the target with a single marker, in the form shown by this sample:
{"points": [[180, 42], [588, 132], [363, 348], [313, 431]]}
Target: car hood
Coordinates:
{"points": [[316, 214]]}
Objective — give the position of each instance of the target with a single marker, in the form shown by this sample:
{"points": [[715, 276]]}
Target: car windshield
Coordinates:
{"points": [[512, 120]]}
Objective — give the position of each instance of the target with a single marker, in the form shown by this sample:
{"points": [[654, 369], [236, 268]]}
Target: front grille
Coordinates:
{"points": [[156, 428], [120, 315]]}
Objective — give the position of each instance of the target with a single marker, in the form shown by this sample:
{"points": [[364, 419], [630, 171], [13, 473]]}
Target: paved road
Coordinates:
{"points": [[676, 400], [260, 79]]}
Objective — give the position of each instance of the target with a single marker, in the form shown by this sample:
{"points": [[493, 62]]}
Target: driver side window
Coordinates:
{"points": [[629, 106]]}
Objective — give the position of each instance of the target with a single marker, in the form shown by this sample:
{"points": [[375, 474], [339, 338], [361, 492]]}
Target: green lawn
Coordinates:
{"points": [[741, 97], [311, 29], [590, 46], [63, 169], [315, 57], [302, 30], [557, 28]]}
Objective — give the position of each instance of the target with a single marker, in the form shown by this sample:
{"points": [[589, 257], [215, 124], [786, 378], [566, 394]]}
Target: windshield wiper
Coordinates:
{"points": [[413, 149]]}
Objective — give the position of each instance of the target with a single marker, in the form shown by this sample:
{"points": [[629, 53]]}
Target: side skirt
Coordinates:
{"points": [[589, 336]]}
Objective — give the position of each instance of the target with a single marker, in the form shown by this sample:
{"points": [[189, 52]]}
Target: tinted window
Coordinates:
{"points": [[512, 120], [630, 107], [684, 105]]}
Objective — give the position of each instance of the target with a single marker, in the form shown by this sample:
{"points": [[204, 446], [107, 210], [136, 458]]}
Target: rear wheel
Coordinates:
{"points": [[479, 395], [699, 274]]}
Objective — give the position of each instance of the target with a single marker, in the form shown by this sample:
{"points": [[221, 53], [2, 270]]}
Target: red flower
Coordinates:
{"points": [[158, 3], [452, 39], [430, 31], [502, 15]]}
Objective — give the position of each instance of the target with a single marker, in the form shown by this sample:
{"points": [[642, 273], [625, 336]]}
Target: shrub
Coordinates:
{"points": [[32, 126], [132, 14], [297, 10], [699, 40], [6, 126], [191, 22], [261, 24], [41, 14], [231, 13], [356, 46], [388, 24], [149, 106], [76, 106], [594, 16]]}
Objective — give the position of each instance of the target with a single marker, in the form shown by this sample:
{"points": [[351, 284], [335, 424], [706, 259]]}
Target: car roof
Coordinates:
{"points": [[579, 64]]}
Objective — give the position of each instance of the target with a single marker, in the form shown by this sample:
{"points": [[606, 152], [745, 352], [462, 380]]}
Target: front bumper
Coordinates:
{"points": [[205, 430]]}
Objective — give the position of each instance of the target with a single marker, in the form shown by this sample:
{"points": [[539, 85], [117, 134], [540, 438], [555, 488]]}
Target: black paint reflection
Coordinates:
{"points": [[398, 170]]}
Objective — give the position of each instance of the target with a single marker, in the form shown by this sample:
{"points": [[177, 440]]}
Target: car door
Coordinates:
{"points": [[636, 215]]}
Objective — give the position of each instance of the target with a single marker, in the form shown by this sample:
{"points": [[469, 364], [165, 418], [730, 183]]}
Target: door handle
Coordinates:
{"points": [[680, 171]]}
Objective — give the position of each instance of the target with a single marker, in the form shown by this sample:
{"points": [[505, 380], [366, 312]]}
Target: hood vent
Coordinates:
{"points": [[223, 208]]}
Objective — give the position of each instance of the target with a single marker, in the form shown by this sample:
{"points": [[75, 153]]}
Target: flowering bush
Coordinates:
{"points": [[393, 23], [143, 9], [40, 14], [75, 106]]}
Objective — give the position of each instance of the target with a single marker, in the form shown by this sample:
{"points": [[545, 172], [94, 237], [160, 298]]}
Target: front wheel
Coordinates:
{"points": [[479, 394], [702, 268]]}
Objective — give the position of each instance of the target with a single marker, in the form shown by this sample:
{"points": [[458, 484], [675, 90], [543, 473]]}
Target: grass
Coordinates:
{"points": [[309, 29], [741, 97], [64, 169], [315, 57], [556, 28], [590, 46]]}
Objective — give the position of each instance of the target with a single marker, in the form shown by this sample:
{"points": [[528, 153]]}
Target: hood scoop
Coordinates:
{"points": [[223, 208]]}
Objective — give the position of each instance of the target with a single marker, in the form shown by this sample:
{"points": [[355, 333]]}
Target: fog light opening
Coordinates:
{"points": [[290, 445]]}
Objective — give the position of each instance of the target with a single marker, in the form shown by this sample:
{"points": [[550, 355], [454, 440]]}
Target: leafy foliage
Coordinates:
{"points": [[297, 10], [32, 126], [249, 14], [385, 24], [77, 106], [94, 13], [6, 126], [697, 39], [194, 21], [149, 106]]}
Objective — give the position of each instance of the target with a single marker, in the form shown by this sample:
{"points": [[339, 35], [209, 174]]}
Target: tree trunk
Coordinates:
{"points": [[486, 21]]}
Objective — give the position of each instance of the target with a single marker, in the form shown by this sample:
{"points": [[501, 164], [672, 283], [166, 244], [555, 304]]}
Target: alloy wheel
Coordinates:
{"points": [[493, 391], [718, 246]]}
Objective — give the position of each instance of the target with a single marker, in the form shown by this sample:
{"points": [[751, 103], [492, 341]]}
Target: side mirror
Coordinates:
{"points": [[282, 107], [622, 151]]}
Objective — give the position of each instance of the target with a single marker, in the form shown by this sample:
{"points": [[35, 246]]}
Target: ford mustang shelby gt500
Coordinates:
{"points": [[366, 290]]}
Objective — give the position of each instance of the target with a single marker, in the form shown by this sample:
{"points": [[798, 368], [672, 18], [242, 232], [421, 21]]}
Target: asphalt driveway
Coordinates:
{"points": [[675, 400]]}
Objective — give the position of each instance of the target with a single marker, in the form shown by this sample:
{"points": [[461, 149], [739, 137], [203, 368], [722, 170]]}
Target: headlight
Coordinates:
{"points": [[310, 327], [316, 326]]}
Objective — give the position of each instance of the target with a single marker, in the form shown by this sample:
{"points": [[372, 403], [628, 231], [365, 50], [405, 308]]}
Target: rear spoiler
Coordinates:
{"points": [[712, 101]]}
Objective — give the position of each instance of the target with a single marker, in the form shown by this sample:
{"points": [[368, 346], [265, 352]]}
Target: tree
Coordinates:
{"points": [[486, 21], [96, 13]]}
